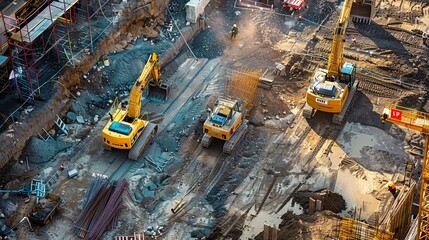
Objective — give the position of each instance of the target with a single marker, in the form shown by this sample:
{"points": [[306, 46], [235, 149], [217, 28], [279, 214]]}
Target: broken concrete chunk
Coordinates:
{"points": [[148, 193], [72, 173], [151, 185], [138, 196], [71, 117], [80, 120]]}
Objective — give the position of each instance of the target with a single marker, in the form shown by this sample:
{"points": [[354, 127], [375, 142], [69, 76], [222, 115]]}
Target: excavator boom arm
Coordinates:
{"points": [[150, 69], [336, 60]]}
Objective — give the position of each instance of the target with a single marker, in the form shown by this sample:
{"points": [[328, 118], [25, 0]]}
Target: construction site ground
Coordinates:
{"points": [[194, 192]]}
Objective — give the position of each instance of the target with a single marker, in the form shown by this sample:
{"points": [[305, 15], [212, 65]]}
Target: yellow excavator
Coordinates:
{"points": [[126, 128], [333, 89], [225, 122]]}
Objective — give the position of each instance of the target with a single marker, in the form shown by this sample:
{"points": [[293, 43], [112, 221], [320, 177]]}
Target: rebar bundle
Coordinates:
{"points": [[243, 84], [101, 208]]}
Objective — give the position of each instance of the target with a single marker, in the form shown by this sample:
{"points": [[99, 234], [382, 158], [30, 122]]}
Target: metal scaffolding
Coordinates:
{"points": [[352, 229], [394, 225], [243, 85], [47, 39], [398, 218]]}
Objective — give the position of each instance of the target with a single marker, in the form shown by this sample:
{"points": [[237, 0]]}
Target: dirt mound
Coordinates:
{"points": [[330, 200], [38, 151], [321, 225], [413, 101]]}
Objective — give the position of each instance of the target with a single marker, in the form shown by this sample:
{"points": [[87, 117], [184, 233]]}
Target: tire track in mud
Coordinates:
{"points": [[229, 221], [201, 183]]}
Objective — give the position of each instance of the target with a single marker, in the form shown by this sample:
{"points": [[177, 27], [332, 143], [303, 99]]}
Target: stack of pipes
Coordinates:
{"points": [[101, 208]]}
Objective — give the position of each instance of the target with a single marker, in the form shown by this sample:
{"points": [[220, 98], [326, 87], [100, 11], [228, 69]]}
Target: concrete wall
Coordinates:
{"points": [[194, 8]]}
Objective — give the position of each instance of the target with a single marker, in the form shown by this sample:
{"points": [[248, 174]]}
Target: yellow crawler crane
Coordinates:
{"points": [[332, 89], [418, 121], [126, 128]]}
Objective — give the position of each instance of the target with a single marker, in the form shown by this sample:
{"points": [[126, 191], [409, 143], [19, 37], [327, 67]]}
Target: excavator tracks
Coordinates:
{"points": [[146, 137], [307, 111], [207, 140], [230, 145], [338, 118]]}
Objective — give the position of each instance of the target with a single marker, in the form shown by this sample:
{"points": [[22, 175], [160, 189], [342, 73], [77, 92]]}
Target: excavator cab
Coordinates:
{"points": [[347, 74], [158, 93]]}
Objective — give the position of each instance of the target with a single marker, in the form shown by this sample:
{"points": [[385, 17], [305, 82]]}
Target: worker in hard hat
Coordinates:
{"points": [[234, 31], [392, 188]]}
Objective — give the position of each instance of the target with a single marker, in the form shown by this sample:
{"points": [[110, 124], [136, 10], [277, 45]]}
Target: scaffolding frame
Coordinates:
{"points": [[40, 46], [353, 229], [243, 85], [398, 218]]}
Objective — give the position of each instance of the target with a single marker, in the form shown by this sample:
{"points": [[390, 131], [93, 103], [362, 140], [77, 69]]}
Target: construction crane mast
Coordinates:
{"points": [[418, 121]]}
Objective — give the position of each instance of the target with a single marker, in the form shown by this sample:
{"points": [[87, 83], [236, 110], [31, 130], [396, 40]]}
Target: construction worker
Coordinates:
{"points": [[202, 21], [392, 188], [234, 31]]}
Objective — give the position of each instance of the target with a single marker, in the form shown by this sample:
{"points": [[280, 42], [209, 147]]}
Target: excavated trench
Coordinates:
{"points": [[16, 137]]}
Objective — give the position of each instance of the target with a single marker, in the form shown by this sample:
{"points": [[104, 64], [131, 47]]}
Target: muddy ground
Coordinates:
{"points": [[282, 160]]}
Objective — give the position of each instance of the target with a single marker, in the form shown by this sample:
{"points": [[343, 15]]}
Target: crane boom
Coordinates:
{"points": [[150, 69], [336, 60], [418, 121]]}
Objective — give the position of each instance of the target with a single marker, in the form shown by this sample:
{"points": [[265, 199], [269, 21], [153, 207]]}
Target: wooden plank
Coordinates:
{"points": [[43, 21]]}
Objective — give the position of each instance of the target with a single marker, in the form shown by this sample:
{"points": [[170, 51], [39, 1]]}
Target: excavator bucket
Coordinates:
{"points": [[158, 93], [363, 11]]}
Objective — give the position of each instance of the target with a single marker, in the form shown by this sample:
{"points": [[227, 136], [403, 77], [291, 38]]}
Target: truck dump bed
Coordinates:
{"points": [[44, 210]]}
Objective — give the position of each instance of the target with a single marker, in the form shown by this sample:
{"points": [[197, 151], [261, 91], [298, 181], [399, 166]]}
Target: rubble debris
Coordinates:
{"points": [[80, 120], [329, 200], [43, 211], [72, 173]]}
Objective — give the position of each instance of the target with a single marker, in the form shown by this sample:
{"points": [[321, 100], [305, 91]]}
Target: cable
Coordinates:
{"points": [[101, 8], [184, 39]]}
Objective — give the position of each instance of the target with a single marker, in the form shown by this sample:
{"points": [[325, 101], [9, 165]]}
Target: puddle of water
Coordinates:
{"points": [[355, 137], [357, 192], [357, 142]]}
